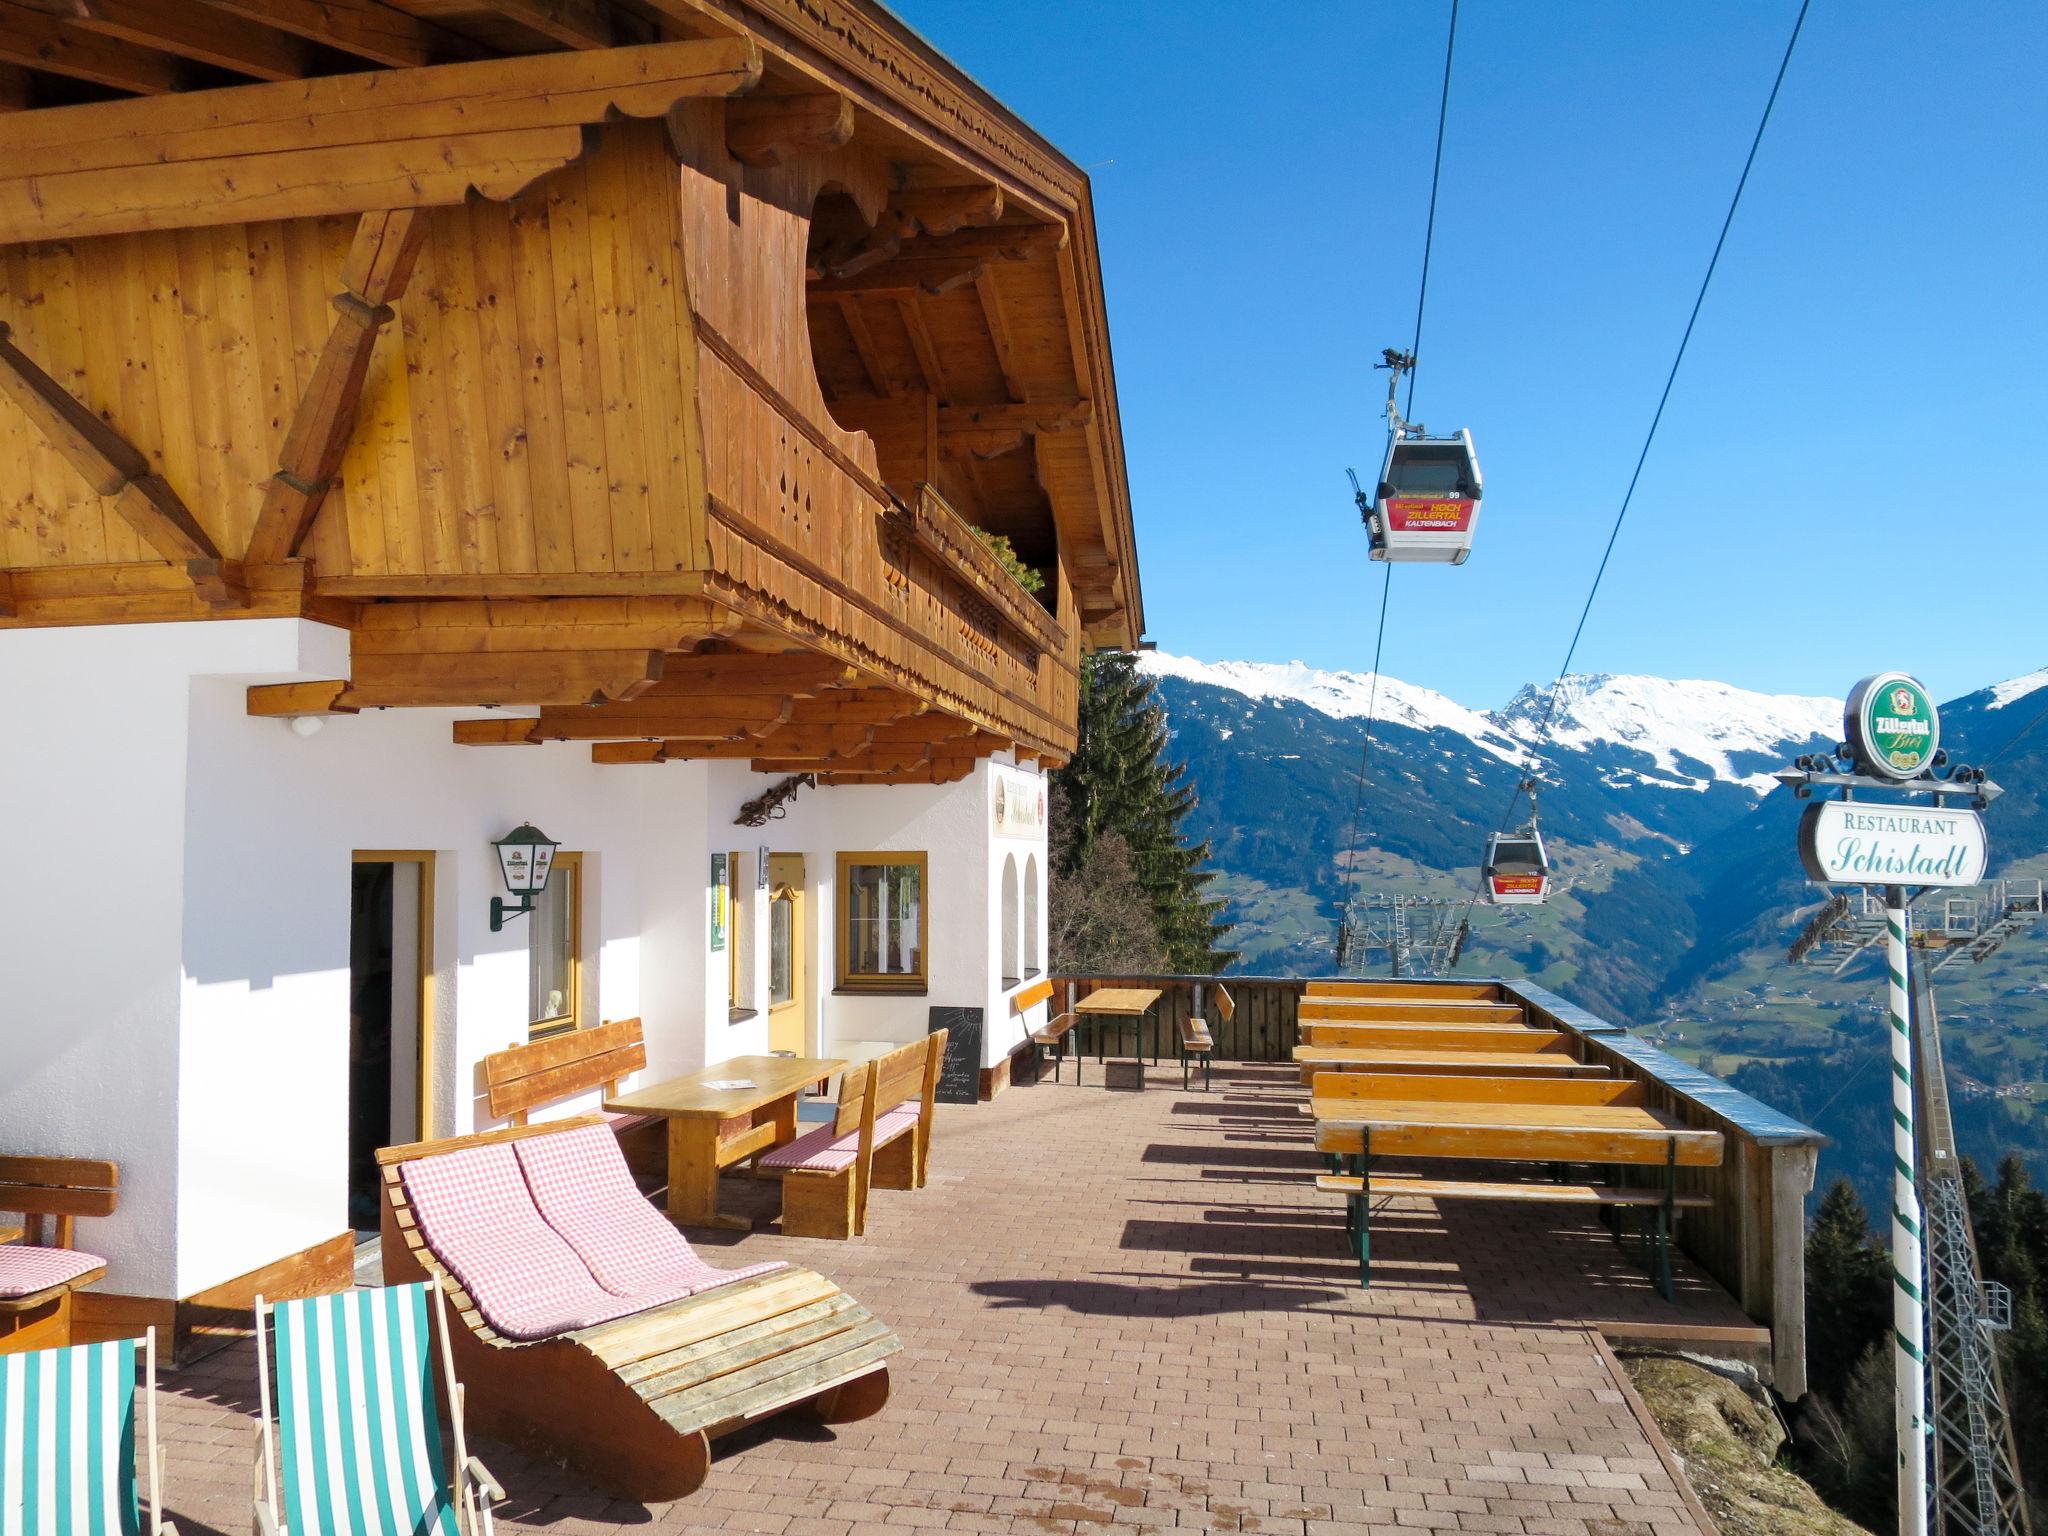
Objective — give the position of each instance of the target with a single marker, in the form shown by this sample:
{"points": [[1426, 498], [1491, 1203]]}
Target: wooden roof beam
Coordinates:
{"points": [[381, 33], [111, 465], [636, 720], [902, 278], [572, 23], [920, 335], [1032, 416], [864, 346], [191, 31], [798, 675], [35, 41], [767, 130], [343, 143], [374, 274], [467, 681], [999, 335], [940, 770]]}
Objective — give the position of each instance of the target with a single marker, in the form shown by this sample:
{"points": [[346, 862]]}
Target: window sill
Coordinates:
{"points": [[741, 1015], [550, 1029], [877, 989], [1012, 983], [1032, 973]]}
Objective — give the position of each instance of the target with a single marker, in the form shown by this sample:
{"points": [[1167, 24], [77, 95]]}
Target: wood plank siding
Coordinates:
{"points": [[712, 339]]}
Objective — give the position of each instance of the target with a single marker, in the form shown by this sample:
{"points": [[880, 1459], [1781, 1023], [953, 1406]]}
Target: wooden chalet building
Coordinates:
{"points": [[423, 417]]}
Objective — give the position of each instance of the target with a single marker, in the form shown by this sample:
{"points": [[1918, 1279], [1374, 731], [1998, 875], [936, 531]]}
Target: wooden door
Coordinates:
{"points": [[788, 955]]}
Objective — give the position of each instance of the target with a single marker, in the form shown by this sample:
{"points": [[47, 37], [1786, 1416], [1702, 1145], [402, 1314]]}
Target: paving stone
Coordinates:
{"points": [[1135, 1310]]}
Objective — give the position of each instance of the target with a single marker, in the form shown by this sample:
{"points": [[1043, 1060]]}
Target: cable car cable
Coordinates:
{"points": [[1443, 111], [1628, 497]]}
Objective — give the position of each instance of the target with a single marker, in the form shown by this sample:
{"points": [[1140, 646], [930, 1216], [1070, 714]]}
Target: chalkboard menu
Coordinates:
{"points": [[960, 1072]]}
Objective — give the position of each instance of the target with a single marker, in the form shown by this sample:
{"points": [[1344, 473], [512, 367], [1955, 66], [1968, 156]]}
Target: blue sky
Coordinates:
{"points": [[1850, 473]]}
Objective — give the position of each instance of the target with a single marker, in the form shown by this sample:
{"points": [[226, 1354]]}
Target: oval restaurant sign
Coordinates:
{"points": [[1430, 514], [1019, 804], [1893, 727], [1853, 842]]}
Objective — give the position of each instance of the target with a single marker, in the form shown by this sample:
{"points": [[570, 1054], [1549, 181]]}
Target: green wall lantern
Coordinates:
{"points": [[526, 855]]}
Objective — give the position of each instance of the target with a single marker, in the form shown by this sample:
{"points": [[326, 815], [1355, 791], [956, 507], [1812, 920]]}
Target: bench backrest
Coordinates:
{"points": [[59, 1188], [1226, 1005], [1030, 997], [522, 1078], [854, 1098], [1478, 1090], [910, 1072], [1433, 1037]]}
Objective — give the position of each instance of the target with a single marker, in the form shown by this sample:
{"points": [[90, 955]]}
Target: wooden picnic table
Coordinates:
{"points": [[1121, 1003], [1366, 1058], [713, 1123], [1562, 1133]]}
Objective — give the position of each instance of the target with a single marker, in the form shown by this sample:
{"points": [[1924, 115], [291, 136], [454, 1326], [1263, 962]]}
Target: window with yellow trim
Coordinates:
{"points": [[884, 912], [554, 951]]}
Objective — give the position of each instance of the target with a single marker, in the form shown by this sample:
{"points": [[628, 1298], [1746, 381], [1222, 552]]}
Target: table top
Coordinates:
{"points": [[1119, 1000], [692, 1097], [1605, 1133], [1374, 1113], [1503, 1063]]}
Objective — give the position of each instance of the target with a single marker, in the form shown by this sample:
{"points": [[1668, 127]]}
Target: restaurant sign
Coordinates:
{"points": [[1019, 803], [1851, 842]]}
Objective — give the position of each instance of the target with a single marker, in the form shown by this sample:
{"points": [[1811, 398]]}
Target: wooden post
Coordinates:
{"points": [[1792, 1171]]}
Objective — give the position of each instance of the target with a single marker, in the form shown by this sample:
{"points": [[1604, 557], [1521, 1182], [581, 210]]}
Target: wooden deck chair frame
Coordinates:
{"points": [[474, 1489], [634, 1404], [153, 1452]]}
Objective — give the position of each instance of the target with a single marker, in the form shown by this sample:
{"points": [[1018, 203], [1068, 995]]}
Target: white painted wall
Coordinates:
{"points": [[177, 955]]}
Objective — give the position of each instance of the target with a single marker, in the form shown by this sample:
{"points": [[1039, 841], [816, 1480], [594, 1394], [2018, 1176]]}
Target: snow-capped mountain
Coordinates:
{"points": [[1692, 732]]}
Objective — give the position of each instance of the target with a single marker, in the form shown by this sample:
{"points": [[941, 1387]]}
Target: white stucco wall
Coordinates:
{"points": [[177, 947]]}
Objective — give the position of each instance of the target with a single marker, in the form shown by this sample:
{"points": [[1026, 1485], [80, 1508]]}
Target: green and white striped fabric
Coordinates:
{"points": [[359, 1443], [67, 1442]]}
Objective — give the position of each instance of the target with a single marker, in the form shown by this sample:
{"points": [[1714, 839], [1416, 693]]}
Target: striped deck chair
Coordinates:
{"points": [[67, 1441], [356, 1449]]}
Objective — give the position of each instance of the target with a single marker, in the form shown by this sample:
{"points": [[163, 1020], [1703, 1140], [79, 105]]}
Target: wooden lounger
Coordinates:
{"points": [[590, 1333]]}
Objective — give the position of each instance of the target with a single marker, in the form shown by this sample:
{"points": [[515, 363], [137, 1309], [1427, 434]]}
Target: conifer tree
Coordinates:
{"points": [[1121, 782], [1848, 1290]]}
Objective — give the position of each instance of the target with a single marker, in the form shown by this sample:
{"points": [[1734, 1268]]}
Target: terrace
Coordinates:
{"points": [[1136, 1309]]}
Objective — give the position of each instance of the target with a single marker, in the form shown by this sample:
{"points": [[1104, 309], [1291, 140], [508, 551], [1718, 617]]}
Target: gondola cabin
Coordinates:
{"points": [[1427, 504], [1517, 869]]}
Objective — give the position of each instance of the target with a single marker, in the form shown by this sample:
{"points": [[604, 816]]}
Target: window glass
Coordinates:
{"points": [[551, 941], [782, 950], [883, 903]]}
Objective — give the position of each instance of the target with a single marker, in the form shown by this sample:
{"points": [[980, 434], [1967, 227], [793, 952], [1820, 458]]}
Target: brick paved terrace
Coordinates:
{"points": [[1135, 1310]]}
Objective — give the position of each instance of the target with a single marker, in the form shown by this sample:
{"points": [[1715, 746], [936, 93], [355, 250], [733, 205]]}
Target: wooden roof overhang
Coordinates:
{"points": [[215, 440]]}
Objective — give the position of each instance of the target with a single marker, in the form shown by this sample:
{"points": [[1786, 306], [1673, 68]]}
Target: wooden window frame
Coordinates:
{"points": [[570, 1022], [905, 984]]}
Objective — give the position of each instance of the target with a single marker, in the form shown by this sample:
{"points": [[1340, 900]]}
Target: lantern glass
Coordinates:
{"points": [[525, 856]]}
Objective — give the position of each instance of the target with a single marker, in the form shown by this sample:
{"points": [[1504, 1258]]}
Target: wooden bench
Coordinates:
{"points": [[1358, 1190], [880, 1134], [1052, 1036], [589, 1331], [523, 1078], [41, 1270], [1197, 1042]]}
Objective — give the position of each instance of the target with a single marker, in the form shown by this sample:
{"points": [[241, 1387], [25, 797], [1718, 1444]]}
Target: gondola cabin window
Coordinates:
{"points": [[554, 944], [883, 922]]}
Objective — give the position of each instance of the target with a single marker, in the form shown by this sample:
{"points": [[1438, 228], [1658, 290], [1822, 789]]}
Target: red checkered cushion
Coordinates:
{"points": [[477, 1215], [820, 1151], [25, 1270], [581, 1187]]}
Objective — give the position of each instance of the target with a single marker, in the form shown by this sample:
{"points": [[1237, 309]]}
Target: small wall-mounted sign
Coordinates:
{"points": [[1018, 803], [761, 868], [721, 898], [1853, 842]]}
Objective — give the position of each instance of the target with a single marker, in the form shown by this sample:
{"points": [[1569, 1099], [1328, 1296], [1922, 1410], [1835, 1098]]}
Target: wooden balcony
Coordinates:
{"points": [[514, 368]]}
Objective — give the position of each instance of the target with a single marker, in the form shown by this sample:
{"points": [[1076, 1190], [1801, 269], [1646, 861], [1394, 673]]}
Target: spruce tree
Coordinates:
{"points": [[1848, 1290], [1120, 781]]}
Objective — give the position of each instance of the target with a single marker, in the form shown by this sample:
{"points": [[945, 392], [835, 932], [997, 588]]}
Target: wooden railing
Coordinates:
{"points": [[1752, 1239]]}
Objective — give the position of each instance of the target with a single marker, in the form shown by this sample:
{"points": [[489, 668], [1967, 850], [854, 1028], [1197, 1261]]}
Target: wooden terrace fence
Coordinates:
{"points": [[1752, 1239]]}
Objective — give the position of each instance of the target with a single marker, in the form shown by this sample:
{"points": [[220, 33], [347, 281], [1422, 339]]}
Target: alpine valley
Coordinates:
{"points": [[1682, 887]]}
